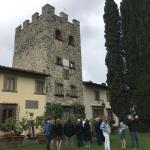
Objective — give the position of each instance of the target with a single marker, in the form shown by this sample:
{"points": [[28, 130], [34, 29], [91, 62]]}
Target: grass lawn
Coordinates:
{"points": [[144, 141]]}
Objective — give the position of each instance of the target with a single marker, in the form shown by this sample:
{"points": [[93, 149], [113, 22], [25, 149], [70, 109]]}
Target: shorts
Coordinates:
{"points": [[122, 135], [59, 138]]}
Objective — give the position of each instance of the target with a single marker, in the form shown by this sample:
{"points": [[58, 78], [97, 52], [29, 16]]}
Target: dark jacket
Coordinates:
{"points": [[79, 129], [68, 129], [97, 127], [132, 124], [59, 130]]}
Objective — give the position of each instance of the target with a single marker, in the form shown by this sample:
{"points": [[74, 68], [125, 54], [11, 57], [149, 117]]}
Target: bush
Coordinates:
{"points": [[14, 125], [53, 110], [79, 110]]}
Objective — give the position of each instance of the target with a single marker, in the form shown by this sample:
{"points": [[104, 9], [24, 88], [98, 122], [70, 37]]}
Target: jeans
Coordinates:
{"points": [[79, 140], [134, 139], [107, 141], [48, 142]]}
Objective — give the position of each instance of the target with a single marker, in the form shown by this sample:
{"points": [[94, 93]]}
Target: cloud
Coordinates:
{"points": [[88, 12]]}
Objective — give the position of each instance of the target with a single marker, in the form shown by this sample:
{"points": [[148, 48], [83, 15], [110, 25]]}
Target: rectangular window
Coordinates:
{"points": [[73, 91], [66, 74], [59, 90], [39, 87], [72, 65], [7, 111], [59, 61], [30, 104], [97, 95], [10, 84]]}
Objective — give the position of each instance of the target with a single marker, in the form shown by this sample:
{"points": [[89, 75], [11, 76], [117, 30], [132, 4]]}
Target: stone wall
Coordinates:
{"points": [[36, 48]]}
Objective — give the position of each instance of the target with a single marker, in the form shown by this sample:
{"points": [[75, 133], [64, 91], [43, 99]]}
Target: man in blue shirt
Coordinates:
{"points": [[48, 132]]}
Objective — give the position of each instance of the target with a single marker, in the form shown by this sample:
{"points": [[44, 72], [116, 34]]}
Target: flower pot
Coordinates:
{"points": [[14, 139], [42, 138]]}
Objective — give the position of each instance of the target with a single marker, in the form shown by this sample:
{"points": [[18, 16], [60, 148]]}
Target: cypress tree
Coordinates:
{"points": [[136, 34], [114, 58]]}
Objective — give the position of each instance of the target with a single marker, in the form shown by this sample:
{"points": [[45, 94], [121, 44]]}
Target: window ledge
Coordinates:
{"points": [[59, 95], [58, 39], [98, 100], [40, 93], [71, 45], [72, 68], [59, 64], [73, 96], [9, 91]]}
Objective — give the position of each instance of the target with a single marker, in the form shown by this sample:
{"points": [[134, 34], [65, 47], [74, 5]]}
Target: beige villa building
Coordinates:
{"points": [[21, 92], [97, 100]]}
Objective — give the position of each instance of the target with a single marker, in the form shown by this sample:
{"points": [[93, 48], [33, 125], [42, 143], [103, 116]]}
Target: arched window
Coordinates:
{"points": [[71, 40], [58, 35]]}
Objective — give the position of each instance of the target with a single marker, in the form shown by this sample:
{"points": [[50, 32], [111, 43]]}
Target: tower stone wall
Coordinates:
{"points": [[37, 48]]}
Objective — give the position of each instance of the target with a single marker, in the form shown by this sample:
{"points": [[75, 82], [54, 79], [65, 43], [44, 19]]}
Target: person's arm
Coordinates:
{"points": [[102, 127]]}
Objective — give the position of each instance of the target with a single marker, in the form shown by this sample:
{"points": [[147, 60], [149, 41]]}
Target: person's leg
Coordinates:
{"points": [[57, 144], [89, 144], [78, 140], [136, 140], [60, 143], [121, 143], [98, 139], [108, 142], [132, 139], [48, 142], [124, 143], [105, 142]]}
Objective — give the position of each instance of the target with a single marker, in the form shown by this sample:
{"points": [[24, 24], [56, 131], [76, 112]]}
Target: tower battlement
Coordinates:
{"points": [[48, 12]]}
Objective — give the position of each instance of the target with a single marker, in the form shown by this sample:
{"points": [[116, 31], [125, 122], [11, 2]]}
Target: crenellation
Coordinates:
{"points": [[26, 24], [76, 22], [64, 16], [35, 17], [48, 10], [18, 29]]}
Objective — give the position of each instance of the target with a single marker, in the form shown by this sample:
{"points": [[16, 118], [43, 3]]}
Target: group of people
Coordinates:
{"points": [[56, 131]]}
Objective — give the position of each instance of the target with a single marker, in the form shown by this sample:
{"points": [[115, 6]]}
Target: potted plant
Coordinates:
{"points": [[40, 124], [14, 128]]}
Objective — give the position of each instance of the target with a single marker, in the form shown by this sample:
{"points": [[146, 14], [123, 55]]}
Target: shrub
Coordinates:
{"points": [[53, 110], [14, 125], [79, 110]]}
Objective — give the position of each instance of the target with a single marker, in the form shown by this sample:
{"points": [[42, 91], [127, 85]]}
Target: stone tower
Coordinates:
{"points": [[51, 44]]}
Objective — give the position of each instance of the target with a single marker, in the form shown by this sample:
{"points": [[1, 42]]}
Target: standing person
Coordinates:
{"points": [[87, 133], [53, 137], [79, 130], [69, 132], [122, 128], [98, 131], [132, 125], [105, 127], [59, 133], [48, 132]]}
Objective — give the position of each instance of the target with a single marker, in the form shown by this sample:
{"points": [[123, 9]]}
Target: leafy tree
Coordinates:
{"points": [[136, 31], [115, 57], [53, 110], [78, 110]]}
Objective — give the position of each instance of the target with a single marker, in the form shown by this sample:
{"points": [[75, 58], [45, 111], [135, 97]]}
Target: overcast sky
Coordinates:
{"points": [[88, 12]]}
